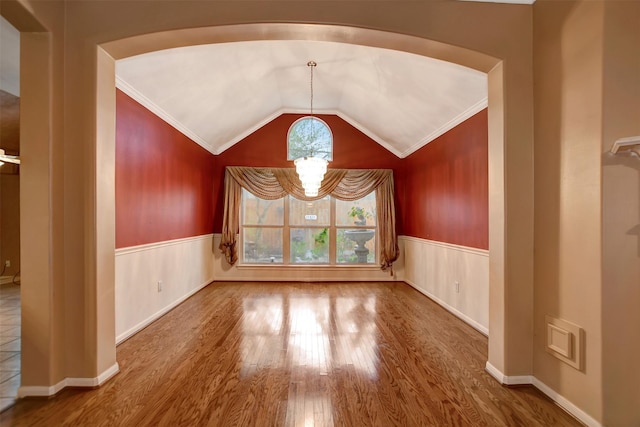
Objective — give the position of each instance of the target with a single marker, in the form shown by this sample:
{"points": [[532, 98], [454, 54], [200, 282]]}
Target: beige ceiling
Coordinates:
{"points": [[218, 94]]}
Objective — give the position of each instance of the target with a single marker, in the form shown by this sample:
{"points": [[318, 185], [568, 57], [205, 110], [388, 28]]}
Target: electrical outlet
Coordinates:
{"points": [[457, 286], [7, 263], [159, 285]]}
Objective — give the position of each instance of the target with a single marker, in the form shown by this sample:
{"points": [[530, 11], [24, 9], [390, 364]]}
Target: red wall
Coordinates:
{"points": [[169, 187], [164, 181], [268, 147], [443, 187]]}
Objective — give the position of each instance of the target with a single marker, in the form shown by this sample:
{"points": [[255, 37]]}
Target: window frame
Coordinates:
{"points": [[328, 155], [286, 227]]}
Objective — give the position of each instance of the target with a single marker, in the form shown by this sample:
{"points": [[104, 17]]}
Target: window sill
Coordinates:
{"points": [[310, 267]]}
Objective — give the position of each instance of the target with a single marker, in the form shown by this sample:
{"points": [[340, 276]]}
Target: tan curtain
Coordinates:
{"points": [[343, 184]]}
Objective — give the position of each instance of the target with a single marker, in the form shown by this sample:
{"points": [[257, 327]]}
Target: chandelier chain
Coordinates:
{"points": [[312, 65], [311, 169]]}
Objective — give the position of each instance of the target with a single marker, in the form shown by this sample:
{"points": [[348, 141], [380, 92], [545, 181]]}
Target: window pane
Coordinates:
{"points": [[314, 213], [357, 213], [309, 245], [262, 245], [309, 136], [258, 211], [356, 246]]}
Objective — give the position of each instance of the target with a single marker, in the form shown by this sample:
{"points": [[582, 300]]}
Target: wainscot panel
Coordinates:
{"points": [[456, 277], [152, 279]]}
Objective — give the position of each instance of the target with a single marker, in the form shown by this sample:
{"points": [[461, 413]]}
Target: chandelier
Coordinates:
{"points": [[311, 169]]}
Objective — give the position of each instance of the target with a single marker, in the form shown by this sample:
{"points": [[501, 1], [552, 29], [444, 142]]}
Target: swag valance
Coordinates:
{"points": [[343, 184]]}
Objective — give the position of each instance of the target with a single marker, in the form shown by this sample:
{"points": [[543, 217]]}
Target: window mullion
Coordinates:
{"points": [[286, 254], [332, 232]]}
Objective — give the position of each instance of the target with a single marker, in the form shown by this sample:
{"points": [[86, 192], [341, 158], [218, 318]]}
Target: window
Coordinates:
{"points": [[327, 231], [309, 136]]}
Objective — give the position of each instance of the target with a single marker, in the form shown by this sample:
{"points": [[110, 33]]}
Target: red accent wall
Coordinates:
{"points": [[443, 187], [168, 187], [164, 180], [267, 147]]}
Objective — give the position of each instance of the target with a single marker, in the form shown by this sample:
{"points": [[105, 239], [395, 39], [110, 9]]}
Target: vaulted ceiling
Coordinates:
{"points": [[218, 94]]}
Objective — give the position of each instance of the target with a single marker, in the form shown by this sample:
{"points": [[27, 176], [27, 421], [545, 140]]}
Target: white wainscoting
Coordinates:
{"points": [[184, 266], [304, 273], [433, 268]]}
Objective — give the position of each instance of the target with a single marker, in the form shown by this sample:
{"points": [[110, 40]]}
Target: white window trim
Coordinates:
{"points": [[286, 249]]}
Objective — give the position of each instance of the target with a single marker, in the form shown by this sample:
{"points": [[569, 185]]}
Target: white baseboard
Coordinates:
{"points": [[508, 380], [41, 391], [566, 404], [560, 400], [475, 325], [45, 391], [146, 322]]}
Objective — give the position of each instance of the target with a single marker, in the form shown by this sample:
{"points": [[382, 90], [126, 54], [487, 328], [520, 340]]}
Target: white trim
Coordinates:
{"points": [[309, 268], [333, 112], [180, 127], [94, 382], [506, 380], [475, 251], [466, 114], [156, 245], [39, 391], [560, 400], [5, 280], [146, 322], [162, 114], [475, 325], [356, 124], [494, 372], [110, 372], [249, 131], [564, 403]]}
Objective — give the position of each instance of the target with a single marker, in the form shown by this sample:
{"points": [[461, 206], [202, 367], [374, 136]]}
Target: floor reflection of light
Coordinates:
{"points": [[309, 409], [262, 338], [309, 332], [357, 332], [319, 333], [262, 315]]}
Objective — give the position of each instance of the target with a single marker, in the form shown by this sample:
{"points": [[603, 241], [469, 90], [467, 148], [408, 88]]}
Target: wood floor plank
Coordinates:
{"points": [[299, 354]]}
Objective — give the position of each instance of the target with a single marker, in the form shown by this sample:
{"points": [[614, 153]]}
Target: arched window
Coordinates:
{"points": [[309, 136]]}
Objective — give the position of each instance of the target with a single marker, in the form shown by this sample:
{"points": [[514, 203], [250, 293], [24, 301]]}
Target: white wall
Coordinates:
{"points": [[187, 265], [434, 267], [184, 266]]}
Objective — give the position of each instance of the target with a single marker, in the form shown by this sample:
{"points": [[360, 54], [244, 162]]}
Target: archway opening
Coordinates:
{"points": [[115, 50]]}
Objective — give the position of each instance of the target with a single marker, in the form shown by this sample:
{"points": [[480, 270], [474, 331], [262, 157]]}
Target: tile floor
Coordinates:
{"points": [[9, 344]]}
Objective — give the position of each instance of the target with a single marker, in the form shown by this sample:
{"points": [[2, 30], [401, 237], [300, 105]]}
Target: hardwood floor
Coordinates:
{"points": [[293, 354]]}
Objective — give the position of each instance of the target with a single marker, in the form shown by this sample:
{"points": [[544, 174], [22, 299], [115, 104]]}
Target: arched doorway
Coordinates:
{"points": [[43, 262], [112, 51]]}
